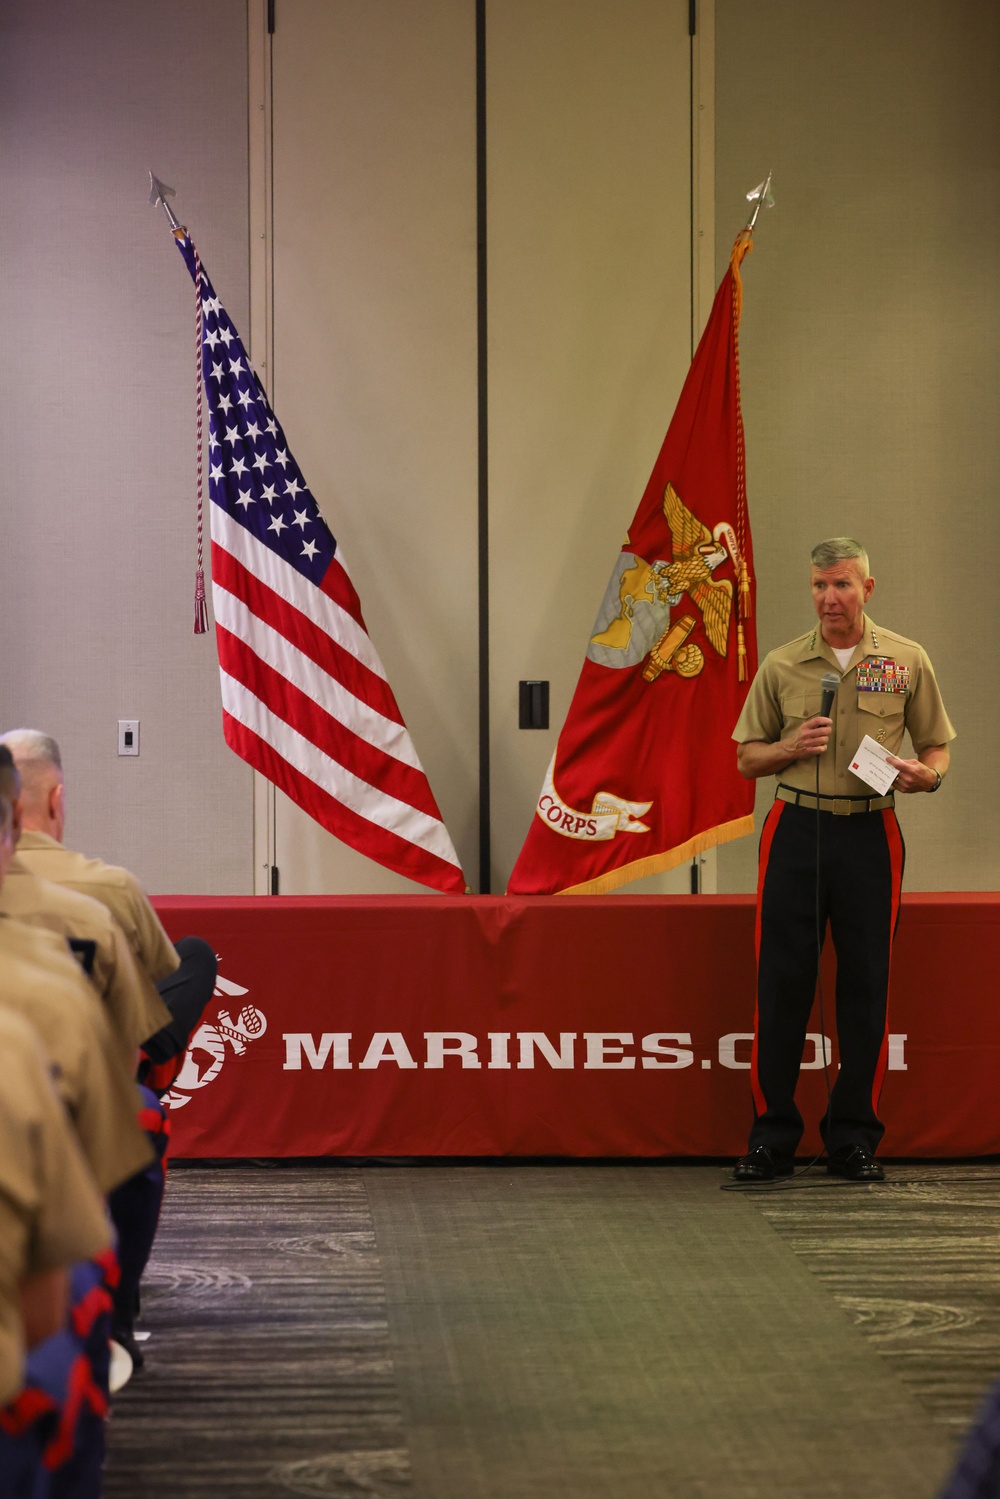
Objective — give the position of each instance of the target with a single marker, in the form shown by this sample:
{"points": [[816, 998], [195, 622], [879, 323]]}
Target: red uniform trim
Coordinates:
{"points": [[82, 1391], [110, 1268], [894, 841], [86, 1312], [161, 1075], [766, 840], [153, 1122], [27, 1407]]}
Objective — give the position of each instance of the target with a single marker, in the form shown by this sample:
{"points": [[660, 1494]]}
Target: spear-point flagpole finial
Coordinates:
{"points": [[159, 192], [760, 197]]}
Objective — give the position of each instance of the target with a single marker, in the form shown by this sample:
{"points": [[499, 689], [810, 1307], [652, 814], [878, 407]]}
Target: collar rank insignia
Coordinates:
{"points": [[883, 674]]}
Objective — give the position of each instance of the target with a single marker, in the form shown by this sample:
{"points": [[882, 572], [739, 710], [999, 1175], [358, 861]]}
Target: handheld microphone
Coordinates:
{"points": [[829, 683]]}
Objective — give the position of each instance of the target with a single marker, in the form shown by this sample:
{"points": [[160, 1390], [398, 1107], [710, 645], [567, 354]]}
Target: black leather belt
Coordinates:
{"points": [[840, 806]]}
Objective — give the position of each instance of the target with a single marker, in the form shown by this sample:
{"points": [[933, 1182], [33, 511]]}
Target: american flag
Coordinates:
{"points": [[305, 698]]}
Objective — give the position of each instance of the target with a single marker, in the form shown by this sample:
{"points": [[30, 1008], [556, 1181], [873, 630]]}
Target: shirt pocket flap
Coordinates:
{"points": [[882, 704], [796, 707]]}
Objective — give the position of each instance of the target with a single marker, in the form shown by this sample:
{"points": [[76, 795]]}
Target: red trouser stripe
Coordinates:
{"points": [[161, 1075], [108, 1262], [153, 1122], [766, 840], [894, 842], [86, 1312], [82, 1391], [24, 1410]]}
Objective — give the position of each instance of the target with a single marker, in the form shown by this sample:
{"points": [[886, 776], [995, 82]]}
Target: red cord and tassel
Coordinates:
{"points": [[200, 607]]}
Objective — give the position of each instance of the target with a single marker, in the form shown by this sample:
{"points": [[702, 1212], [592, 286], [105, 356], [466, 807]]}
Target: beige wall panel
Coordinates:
{"points": [[871, 350], [97, 414], [589, 335], [374, 375]]}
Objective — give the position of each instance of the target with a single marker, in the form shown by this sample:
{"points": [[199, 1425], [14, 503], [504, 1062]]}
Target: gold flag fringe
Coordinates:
{"points": [[669, 859]]}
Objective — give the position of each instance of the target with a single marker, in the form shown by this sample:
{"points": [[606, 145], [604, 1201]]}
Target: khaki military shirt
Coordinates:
{"points": [[894, 691], [115, 888], [41, 981], [51, 1213], [134, 1006]]}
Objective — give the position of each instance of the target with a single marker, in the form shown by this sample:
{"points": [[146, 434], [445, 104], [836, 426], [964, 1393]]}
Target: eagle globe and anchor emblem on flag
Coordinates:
{"points": [[635, 625]]}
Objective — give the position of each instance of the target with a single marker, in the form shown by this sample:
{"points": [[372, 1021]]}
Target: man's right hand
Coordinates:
{"points": [[810, 738], [762, 757]]}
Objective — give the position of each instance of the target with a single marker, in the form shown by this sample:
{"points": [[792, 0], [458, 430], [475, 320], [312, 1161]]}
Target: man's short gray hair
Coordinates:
{"points": [[30, 747], [839, 549]]}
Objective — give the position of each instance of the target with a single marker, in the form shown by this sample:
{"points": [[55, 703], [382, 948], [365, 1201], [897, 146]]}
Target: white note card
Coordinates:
{"points": [[871, 765]]}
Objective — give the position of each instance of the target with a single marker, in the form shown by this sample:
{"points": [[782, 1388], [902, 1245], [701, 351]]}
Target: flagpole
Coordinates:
{"points": [[159, 192]]}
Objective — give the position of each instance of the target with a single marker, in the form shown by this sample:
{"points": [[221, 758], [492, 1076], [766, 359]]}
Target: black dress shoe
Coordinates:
{"points": [[122, 1334], [856, 1163], [761, 1165]]}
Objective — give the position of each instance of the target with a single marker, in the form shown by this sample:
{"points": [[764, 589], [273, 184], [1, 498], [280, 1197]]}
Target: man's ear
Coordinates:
{"points": [[869, 588], [17, 819], [57, 807]]}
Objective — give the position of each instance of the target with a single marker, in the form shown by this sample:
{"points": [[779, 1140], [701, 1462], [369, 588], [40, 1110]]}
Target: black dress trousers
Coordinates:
{"points": [[854, 886]]}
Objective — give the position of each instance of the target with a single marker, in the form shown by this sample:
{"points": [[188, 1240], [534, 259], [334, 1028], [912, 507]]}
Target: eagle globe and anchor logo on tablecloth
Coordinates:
{"points": [[635, 625], [207, 1050]]}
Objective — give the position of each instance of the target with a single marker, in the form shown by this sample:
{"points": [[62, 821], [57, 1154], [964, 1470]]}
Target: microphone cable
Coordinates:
{"points": [[830, 687], [820, 933], [783, 1184]]}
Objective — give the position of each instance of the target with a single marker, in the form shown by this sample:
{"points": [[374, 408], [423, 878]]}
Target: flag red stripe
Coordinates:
{"points": [[304, 634], [308, 676], [337, 585], [312, 721], [368, 838]]}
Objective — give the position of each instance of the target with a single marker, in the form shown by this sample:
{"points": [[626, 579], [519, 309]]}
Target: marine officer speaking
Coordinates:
{"points": [[882, 684]]}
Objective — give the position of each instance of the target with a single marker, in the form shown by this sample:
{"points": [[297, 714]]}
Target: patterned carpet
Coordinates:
{"points": [[511, 1331], [915, 1264], [267, 1367]]}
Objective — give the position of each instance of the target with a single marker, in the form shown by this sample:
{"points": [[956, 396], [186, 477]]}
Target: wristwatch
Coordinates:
{"points": [[937, 783]]}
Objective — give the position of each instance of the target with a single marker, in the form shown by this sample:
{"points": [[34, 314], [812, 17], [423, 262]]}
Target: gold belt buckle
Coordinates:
{"points": [[842, 811]]}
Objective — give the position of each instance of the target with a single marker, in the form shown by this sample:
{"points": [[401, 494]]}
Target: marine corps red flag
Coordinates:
{"points": [[644, 772]]}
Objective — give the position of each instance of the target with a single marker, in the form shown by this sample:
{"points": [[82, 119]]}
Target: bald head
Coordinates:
{"points": [[38, 763]]}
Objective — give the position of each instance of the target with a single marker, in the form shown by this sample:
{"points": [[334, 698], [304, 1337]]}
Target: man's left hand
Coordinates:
{"points": [[913, 776]]}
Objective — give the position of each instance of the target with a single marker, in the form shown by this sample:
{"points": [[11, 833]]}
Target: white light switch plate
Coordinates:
{"points": [[128, 736]]}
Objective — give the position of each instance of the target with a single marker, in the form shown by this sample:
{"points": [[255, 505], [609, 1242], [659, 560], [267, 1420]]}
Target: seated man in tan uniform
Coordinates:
{"points": [[51, 1217], [184, 975], [42, 982], [135, 1010]]}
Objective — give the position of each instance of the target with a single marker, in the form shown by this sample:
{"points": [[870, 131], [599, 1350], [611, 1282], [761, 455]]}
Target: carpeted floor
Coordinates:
{"points": [[511, 1331], [268, 1368], [916, 1266]]}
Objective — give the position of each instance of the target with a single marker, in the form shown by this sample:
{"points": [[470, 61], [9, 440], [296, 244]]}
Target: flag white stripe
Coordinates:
{"points": [[273, 648], [357, 795], [296, 590]]}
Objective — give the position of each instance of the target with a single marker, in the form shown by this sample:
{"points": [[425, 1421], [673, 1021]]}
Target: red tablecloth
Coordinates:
{"points": [[578, 1026]]}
